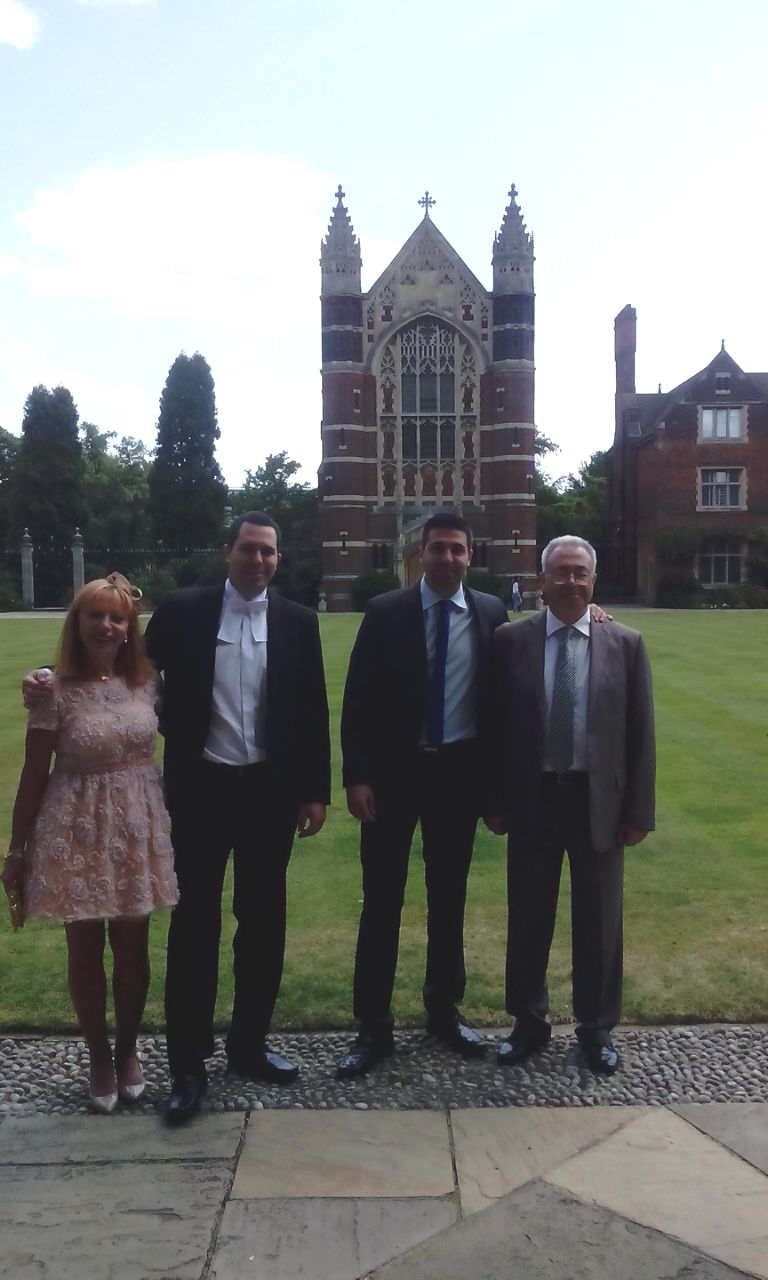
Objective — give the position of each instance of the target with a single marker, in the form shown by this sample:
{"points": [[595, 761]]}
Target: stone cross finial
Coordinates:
{"points": [[426, 203]]}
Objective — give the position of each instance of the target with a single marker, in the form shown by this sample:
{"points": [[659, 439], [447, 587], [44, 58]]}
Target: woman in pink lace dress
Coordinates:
{"points": [[92, 837]]}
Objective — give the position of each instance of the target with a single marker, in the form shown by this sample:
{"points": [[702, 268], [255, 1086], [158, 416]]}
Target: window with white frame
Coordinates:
{"points": [[721, 562], [726, 422], [721, 488]]}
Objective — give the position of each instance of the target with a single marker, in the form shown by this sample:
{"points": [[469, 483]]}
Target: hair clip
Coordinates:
{"points": [[121, 583]]}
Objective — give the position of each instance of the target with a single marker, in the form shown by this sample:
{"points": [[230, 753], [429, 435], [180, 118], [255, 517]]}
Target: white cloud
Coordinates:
{"points": [[14, 352], [169, 239], [102, 4], [19, 25], [217, 253]]}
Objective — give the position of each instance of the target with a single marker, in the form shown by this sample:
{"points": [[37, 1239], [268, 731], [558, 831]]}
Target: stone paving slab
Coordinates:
{"points": [[662, 1172], [539, 1233], [323, 1239], [293, 1154], [49, 1140], [498, 1151], [743, 1128], [130, 1222]]}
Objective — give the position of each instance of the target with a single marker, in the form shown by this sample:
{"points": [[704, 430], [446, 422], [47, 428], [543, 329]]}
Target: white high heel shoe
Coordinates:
{"points": [[131, 1092], [103, 1104]]}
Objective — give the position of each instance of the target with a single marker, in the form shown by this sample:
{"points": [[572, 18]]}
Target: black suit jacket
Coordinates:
{"points": [[181, 641], [386, 689], [620, 732]]}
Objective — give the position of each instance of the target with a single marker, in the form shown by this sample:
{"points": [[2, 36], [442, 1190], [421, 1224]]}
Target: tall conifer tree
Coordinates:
{"points": [[47, 483], [9, 449], [186, 491]]}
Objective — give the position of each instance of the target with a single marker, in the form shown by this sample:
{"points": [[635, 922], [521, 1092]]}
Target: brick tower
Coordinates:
{"points": [[427, 403]]}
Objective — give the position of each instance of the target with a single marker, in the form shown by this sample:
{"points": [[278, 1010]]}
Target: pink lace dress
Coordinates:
{"points": [[100, 846]]}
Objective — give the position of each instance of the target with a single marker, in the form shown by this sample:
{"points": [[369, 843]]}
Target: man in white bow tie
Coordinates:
{"points": [[247, 765]]}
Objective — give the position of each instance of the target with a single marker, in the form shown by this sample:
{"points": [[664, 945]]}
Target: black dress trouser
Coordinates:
{"points": [[533, 871], [439, 790], [218, 809]]}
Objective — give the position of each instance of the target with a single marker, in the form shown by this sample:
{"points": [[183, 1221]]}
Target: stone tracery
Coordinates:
{"points": [[427, 413]]}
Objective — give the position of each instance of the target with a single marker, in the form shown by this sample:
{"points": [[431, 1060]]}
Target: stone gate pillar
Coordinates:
{"points": [[27, 570], [78, 562]]}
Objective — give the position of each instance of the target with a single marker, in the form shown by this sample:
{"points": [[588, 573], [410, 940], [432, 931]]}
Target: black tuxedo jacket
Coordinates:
{"points": [[386, 690], [181, 641]]}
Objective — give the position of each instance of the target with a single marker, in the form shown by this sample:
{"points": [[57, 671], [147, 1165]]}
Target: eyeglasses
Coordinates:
{"points": [[562, 576]]}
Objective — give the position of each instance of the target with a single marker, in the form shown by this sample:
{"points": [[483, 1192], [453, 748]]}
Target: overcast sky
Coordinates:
{"points": [[169, 166]]}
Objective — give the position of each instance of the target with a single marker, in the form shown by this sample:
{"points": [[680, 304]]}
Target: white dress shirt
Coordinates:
{"points": [[460, 714], [237, 733], [581, 662]]}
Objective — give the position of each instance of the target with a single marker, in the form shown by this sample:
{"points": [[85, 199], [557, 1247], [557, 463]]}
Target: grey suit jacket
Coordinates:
{"points": [[620, 733]]}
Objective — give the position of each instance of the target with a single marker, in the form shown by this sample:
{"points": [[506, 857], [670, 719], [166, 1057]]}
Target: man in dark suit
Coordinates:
{"points": [[247, 764], [411, 736], [573, 772]]}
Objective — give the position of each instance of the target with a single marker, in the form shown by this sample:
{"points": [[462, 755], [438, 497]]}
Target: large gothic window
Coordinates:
{"points": [[428, 414]]}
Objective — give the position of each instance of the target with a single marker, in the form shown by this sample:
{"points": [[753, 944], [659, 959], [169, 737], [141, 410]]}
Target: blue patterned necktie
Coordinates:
{"points": [[560, 736], [436, 698]]}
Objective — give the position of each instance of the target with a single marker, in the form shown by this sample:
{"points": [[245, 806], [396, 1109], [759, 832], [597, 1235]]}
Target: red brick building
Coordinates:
{"points": [[427, 403], [687, 474]]}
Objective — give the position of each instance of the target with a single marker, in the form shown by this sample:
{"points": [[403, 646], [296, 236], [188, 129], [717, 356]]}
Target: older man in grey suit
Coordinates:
{"points": [[574, 764]]}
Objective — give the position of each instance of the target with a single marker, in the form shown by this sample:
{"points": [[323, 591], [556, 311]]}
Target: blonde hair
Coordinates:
{"points": [[131, 662]]}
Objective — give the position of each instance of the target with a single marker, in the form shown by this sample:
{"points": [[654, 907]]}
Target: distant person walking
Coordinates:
{"points": [[516, 597]]}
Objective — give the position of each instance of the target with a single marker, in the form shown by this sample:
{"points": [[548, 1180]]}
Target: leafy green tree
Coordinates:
{"points": [[370, 583], [484, 580], [186, 491], [47, 484], [294, 506], [270, 487], [47, 489], [574, 504], [9, 449], [542, 447], [116, 489]]}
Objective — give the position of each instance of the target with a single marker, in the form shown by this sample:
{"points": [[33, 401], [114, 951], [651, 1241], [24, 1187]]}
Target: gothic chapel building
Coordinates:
{"points": [[427, 403]]}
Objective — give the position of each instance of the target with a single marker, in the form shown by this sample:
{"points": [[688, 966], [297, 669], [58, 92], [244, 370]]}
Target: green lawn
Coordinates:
{"points": [[696, 934]]}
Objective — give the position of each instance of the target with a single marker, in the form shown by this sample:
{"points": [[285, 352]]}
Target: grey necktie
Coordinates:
{"points": [[560, 736]]}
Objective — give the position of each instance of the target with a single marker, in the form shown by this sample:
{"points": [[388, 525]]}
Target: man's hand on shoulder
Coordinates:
{"points": [[361, 803], [311, 819], [36, 688], [631, 835], [497, 824], [599, 615]]}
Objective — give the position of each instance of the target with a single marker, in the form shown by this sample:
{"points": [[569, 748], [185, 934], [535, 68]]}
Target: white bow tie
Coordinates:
{"points": [[249, 607], [239, 614]]}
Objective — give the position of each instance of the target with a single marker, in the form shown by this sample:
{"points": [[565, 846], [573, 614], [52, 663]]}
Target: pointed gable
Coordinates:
{"points": [[427, 276], [721, 381]]}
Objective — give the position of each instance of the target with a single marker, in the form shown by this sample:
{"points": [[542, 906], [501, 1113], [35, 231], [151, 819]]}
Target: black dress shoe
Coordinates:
{"points": [[522, 1044], [459, 1036], [187, 1092], [265, 1065], [601, 1055], [363, 1054]]}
